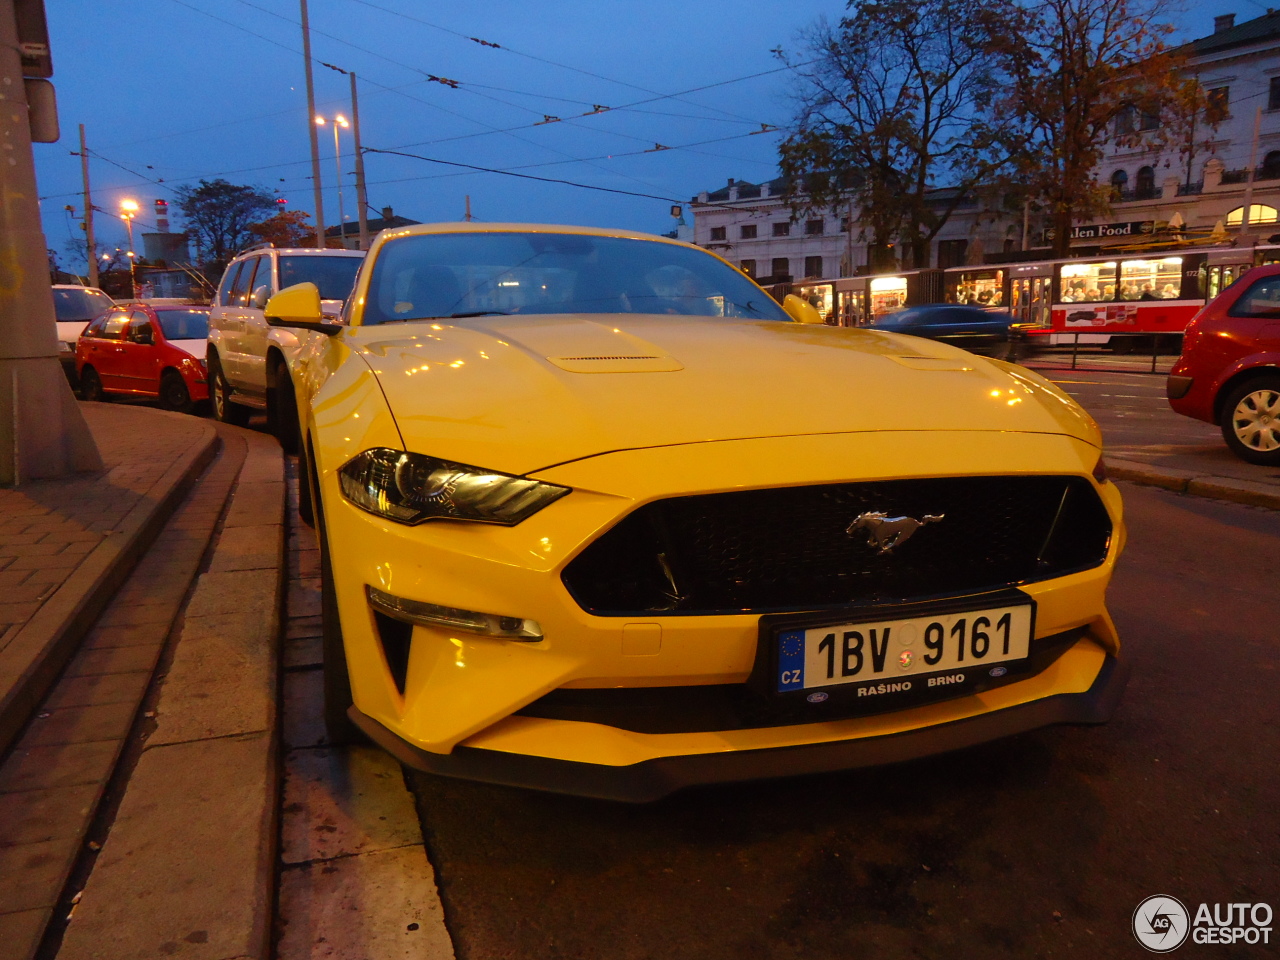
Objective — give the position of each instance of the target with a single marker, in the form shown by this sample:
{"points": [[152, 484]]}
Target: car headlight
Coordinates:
{"points": [[410, 488]]}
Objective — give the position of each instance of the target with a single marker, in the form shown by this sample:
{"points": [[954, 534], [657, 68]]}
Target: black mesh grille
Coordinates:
{"points": [[788, 548]]}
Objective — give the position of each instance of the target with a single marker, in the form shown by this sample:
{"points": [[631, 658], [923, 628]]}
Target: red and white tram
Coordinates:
{"points": [[1089, 299]]}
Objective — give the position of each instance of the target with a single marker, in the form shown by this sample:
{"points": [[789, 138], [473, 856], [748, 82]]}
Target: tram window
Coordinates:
{"points": [[887, 294], [983, 288], [1151, 279], [1088, 282]]}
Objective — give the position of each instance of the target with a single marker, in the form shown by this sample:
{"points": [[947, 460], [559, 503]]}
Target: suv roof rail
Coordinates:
{"points": [[265, 245]]}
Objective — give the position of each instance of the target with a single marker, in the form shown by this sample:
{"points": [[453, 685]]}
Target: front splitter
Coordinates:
{"points": [[654, 779]]}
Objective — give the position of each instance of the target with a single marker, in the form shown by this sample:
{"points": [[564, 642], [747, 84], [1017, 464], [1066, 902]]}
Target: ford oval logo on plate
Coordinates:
{"points": [[997, 671], [816, 697]]}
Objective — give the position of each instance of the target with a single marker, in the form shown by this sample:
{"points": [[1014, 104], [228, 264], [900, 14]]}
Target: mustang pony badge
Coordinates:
{"points": [[885, 532]]}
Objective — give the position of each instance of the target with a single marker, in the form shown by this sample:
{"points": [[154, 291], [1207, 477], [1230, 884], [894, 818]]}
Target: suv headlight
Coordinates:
{"points": [[410, 488]]}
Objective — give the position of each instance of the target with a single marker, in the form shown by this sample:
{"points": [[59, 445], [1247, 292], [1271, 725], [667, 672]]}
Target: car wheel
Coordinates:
{"points": [[224, 409], [174, 394], [91, 386], [1251, 420], [337, 679], [283, 407]]}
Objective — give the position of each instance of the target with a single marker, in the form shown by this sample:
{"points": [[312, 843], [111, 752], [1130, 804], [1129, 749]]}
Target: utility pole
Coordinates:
{"points": [[88, 213], [467, 215], [362, 200], [311, 126], [43, 434], [1248, 189]]}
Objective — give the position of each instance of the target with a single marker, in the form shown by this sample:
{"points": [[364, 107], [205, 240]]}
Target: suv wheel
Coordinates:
{"points": [[1251, 420], [224, 408], [282, 408]]}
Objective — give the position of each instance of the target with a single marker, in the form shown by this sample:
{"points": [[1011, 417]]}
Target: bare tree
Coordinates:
{"points": [[220, 215], [1075, 66], [892, 106]]}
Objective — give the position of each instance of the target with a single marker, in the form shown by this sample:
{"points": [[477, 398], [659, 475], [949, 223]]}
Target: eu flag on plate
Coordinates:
{"points": [[791, 660]]}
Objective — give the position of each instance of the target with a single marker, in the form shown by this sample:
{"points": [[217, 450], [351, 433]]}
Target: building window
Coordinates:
{"points": [[1119, 183], [1273, 95], [813, 228], [1145, 187], [781, 267], [717, 233], [813, 265], [749, 267], [1258, 213], [748, 231], [951, 253], [1149, 121], [844, 224], [782, 228], [1218, 104], [1124, 120], [1270, 166]]}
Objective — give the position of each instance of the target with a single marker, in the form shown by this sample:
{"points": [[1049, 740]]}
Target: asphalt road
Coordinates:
{"points": [[1037, 846]]}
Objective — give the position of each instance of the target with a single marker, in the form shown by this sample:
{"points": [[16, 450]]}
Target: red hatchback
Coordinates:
{"points": [[145, 350], [1229, 371]]}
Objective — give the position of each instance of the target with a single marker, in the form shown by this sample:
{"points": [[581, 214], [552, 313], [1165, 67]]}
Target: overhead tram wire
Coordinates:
{"points": [[529, 176], [554, 63]]}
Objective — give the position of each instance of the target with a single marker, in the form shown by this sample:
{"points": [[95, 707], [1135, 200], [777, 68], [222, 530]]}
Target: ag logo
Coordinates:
{"points": [[1161, 923]]}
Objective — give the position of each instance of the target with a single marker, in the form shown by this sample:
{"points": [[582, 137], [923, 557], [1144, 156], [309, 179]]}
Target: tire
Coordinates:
{"points": [[282, 409], [1251, 420], [337, 678], [306, 511], [224, 409], [174, 394], [91, 386]]}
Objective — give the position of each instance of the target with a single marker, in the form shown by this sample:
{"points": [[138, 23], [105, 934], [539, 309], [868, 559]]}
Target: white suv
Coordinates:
{"points": [[249, 361]]}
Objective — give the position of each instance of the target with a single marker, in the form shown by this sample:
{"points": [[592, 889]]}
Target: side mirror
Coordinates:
{"points": [[261, 295], [801, 311], [299, 306]]}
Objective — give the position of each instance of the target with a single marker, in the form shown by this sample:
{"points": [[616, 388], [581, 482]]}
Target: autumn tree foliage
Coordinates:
{"points": [[288, 228], [892, 103], [1074, 66]]}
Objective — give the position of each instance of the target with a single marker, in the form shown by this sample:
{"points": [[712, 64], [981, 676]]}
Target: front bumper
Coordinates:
{"points": [[656, 778]]}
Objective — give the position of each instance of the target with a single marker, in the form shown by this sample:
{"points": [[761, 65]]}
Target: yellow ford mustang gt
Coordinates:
{"points": [[599, 516]]}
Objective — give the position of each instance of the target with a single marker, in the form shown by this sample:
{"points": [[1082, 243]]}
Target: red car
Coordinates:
{"points": [[146, 350], [1229, 371]]}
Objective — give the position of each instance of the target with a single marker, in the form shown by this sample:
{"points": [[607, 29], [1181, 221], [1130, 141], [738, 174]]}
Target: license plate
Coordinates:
{"points": [[898, 650]]}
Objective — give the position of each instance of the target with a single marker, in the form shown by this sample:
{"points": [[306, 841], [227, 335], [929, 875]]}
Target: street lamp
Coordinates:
{"points": [[129, 210], [338, 121]]}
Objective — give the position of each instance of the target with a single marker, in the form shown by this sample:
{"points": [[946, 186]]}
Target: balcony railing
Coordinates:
{"points": [[1191, 189]]}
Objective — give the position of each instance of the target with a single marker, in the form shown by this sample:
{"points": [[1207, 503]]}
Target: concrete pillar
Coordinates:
{"points": [[42, 431], [1213, 173], [1169, 189]]}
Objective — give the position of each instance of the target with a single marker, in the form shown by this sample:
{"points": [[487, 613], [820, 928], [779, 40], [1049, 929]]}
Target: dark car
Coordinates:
{"points": [[1229, 371], [972, 328], [146, 350]]}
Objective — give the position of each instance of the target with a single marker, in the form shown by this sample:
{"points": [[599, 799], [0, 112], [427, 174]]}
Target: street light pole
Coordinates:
{"points": [[129, 210], [89, 240], [43, 434], [362, 201], [311, 127]]}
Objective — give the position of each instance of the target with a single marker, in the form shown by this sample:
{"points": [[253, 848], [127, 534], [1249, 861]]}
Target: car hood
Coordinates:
{"points": [[521, 393]]}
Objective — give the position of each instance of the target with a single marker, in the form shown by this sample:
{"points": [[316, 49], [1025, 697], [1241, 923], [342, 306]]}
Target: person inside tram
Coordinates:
{"points": [[1129, 290], [1108, 291], [1168, 292], [1148, 291]]}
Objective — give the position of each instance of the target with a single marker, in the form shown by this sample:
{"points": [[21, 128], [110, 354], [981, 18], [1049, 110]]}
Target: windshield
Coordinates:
{"points": [[80, 304], [184, 324], [335, 276], [449, 275]]}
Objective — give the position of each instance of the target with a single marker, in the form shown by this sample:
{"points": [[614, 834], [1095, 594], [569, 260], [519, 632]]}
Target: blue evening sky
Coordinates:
{"points": [[177, 90]]}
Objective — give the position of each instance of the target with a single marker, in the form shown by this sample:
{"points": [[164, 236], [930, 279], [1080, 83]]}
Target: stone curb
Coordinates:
{"points": [[189, 866], [1246, 492], [34, 658]]}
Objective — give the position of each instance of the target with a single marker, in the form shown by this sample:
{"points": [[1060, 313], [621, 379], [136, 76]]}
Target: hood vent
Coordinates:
{"points": [[618, 363]]}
